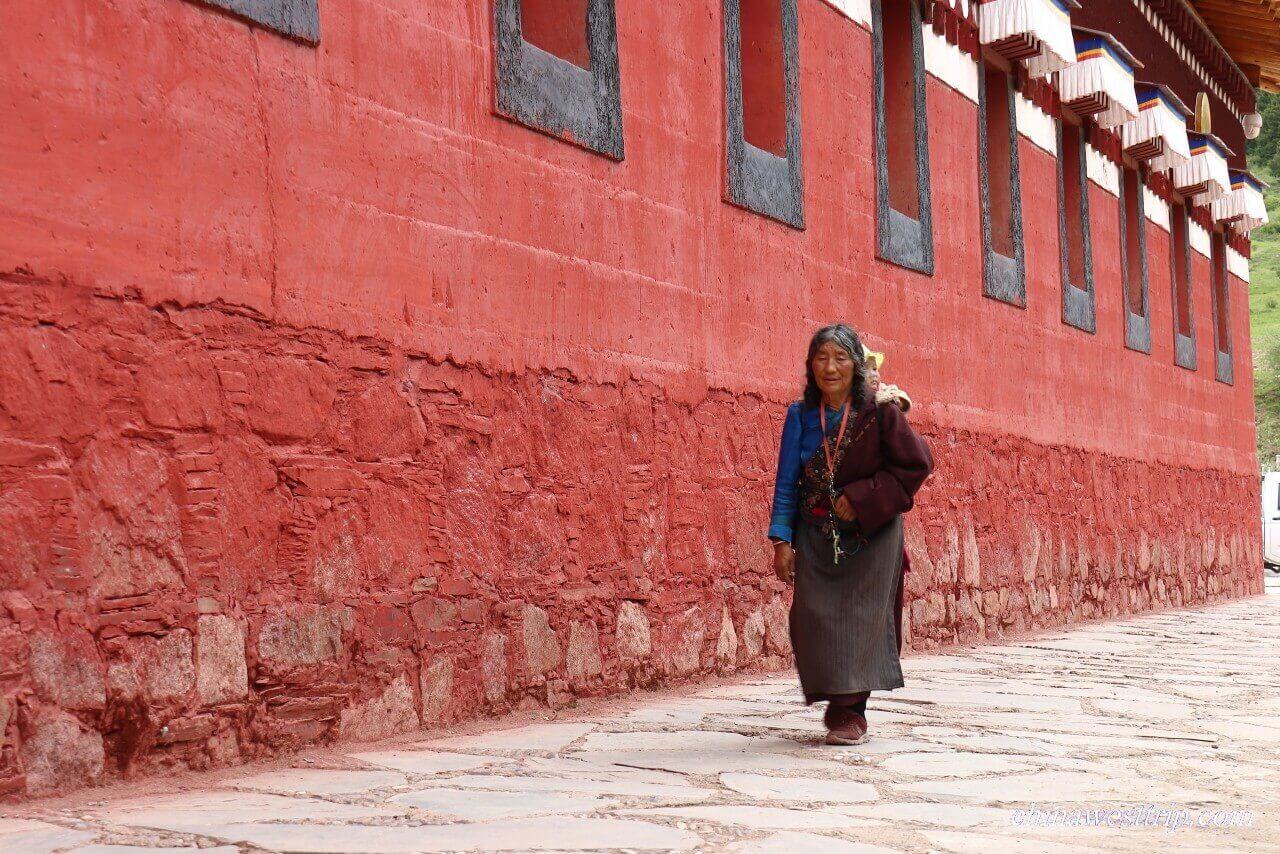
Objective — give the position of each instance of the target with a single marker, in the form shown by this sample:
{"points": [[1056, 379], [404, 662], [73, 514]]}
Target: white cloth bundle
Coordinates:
{"points": [[1243, 206], [1099, 83], [1035, 31], [1205, 175], [1158, 135]]}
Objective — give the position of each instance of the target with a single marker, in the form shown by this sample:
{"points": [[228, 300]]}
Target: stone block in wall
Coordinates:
{"points": [[289, 399], [436, 685], [777, 627], [753, 632], [385, 424], [493, 667], [131, 523], [391, 712], [222, 674], [67, 670], [433, 614], [971, 561], [58, 752], [541, 647], [164, 666], [726, 642], [682, 643], [180, 391], [632, 632], [308, 634], [753, 636], [582, 656]]}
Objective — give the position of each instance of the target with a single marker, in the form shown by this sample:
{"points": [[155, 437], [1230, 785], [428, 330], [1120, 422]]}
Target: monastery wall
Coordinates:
{"points": [[333, 405]]}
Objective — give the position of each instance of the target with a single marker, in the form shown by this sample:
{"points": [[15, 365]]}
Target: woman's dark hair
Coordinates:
{"points": [[844, 337]]}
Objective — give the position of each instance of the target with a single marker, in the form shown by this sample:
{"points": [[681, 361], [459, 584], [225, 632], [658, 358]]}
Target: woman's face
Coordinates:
{"points": [[833, 370]]}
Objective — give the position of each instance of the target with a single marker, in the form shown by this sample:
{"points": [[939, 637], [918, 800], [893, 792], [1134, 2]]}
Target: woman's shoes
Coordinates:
{"points": [[851, 731]]}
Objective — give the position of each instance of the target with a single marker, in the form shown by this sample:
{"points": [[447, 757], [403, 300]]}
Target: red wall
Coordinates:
{"points": [[332, 404]]}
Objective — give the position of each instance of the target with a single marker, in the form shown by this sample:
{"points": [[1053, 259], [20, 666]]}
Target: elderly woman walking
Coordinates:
{"points": [[848, 469]]}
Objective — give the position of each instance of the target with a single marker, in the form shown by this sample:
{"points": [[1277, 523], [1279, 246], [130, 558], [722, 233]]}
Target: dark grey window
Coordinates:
{"points": [[1184, 328], [762, 108], [1003, 266], [557, 70], [1133, 261], [1073, 228], [297, 18], [904, 209], [1221, 309]]}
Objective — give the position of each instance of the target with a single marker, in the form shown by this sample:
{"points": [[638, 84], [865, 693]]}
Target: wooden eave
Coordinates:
{"points": [[1249, 30]]}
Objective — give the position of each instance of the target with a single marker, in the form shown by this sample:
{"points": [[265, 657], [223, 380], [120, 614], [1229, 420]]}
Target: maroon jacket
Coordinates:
{"points": [[883, 469]]}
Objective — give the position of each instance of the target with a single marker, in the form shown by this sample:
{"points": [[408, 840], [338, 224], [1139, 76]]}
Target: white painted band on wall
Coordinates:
{"points": [[858, 11], [1200, 241], [1237, 264], [1156, 208], [1036, 125], [1102, 171], [950, 64]]}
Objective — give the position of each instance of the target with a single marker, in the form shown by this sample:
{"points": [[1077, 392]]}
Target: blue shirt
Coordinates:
{"points": [[801, 438]]}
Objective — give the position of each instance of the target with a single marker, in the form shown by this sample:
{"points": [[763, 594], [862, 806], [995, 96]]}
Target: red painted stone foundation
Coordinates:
{"points": [[334, 406]]}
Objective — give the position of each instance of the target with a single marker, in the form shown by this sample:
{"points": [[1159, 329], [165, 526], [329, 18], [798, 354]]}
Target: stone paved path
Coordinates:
{"points": [[999, 748]]}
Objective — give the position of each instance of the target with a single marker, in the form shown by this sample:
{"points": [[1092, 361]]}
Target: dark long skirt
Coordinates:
{"points": [[844, 618]]}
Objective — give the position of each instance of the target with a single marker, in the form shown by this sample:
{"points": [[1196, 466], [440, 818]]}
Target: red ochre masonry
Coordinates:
{"points": [[334, 406]]}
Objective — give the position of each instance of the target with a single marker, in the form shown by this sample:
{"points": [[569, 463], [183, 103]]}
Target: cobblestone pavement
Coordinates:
{"points": [[1157, 721]]}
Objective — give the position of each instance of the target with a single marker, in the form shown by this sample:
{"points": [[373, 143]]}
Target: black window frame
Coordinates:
{"points": [[1220, 288], [1003, 278], [759, 180], [297, 19], [1078, 304], [900, 239], [1137, 328], [1184, 346], [552, 95]]}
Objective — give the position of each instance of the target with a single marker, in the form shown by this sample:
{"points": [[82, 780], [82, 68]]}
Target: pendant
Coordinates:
{"points": [[836, 551]]}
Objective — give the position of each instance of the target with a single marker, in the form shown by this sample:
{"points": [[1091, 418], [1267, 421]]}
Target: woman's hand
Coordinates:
{"points": [[784, 562], [844, 509]]}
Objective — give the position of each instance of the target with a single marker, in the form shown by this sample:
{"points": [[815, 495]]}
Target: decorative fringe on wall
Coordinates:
{"points": [[1158, 136], [1243, 207], [1239, 242], [1106, 143], [1100, 84], [1205, 175], [1037, 32], [956, 22], [1041, 93]]}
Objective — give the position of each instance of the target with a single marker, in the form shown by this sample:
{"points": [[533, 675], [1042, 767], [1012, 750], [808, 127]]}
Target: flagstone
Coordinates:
{"points": [[792, 842], [682, 740], [413, 761], [39, 837], [973, 843], [580, 785], [955, 764], [807, 789], [762, 818], [997, 742], [320, 781], [198, 811], [467, 806], [139, 849], [547, 738], [537, 834], [712, 762], [1054, 787], [949, 815]]}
